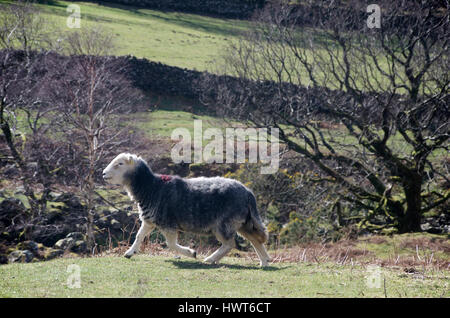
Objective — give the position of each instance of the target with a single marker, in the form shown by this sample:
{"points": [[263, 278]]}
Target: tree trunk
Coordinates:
{"points": [[6, 129], [410, 222]]}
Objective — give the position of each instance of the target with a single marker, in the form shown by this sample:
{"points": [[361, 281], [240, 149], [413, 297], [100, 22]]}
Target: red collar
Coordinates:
{"points": [[165, 177]]}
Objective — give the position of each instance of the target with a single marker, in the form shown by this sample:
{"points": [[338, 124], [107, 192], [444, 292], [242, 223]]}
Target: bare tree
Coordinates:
{"points": [[90, 93], [369, 106], [59, 110], [22, 32]]}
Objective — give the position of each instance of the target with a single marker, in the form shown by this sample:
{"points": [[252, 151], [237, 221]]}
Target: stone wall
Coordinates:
{"points": [[160, 78]]}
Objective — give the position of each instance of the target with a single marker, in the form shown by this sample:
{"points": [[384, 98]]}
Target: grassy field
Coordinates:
{"points": [[178, 39], [166, 276], [174, 38], [164, 122]]}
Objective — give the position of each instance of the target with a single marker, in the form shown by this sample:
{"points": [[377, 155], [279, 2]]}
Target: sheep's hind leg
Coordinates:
{"points": [[227, 246], [144, 230], [260, 250], [171, 238]]}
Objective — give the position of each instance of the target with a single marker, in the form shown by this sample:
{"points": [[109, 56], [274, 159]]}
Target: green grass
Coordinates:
{"points": [[408, 245], [163, 122], [158, 276], [173, 38], [179, 39], [187, 40]]}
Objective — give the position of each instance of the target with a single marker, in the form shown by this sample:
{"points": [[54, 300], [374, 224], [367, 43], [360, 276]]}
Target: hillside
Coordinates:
{"points": [[178, 39]]}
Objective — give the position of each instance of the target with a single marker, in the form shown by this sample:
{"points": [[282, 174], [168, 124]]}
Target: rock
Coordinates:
{"points": [[20, 256], [444, 221], [56, 206], [64, 244], [79, 247], [12, 209], [49, 233], [120, 216], [71, 201], [32, 166], [77, 236], [53, 195], [102, 222], [74, 242], [436, 225], [3, 254], [19, 190], [115, 225], [11, 170], [30, 246], [52, 253], [9, 208], [54, 216]]}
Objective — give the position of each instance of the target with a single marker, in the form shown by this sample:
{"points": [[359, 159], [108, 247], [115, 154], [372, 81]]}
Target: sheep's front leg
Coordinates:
{"points": [[145, 229], [171, 239]]}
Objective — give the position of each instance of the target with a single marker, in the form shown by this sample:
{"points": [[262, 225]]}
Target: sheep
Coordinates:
{"points": [[216, 205]]}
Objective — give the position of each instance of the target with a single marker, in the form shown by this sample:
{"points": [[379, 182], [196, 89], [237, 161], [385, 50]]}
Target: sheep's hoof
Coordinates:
{"points": [[209, 261], [127, 256], [194, 255]]}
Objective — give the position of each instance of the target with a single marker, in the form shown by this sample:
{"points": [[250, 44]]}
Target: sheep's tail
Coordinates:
{"points": [[254, 225]]}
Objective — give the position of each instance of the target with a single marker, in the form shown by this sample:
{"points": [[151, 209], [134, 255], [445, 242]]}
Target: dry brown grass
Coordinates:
{"points": [[409, 254]]}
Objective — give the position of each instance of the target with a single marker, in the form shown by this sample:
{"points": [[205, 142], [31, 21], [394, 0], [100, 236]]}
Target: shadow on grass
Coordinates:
{"points": [[221, 27], [190, 264], [196, 21]]}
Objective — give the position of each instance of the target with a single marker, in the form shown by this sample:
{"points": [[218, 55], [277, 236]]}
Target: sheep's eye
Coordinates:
{"points": [[120, 163]]}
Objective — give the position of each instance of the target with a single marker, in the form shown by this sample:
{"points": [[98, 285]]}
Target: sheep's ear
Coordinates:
{"points": [[129, 160]]}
